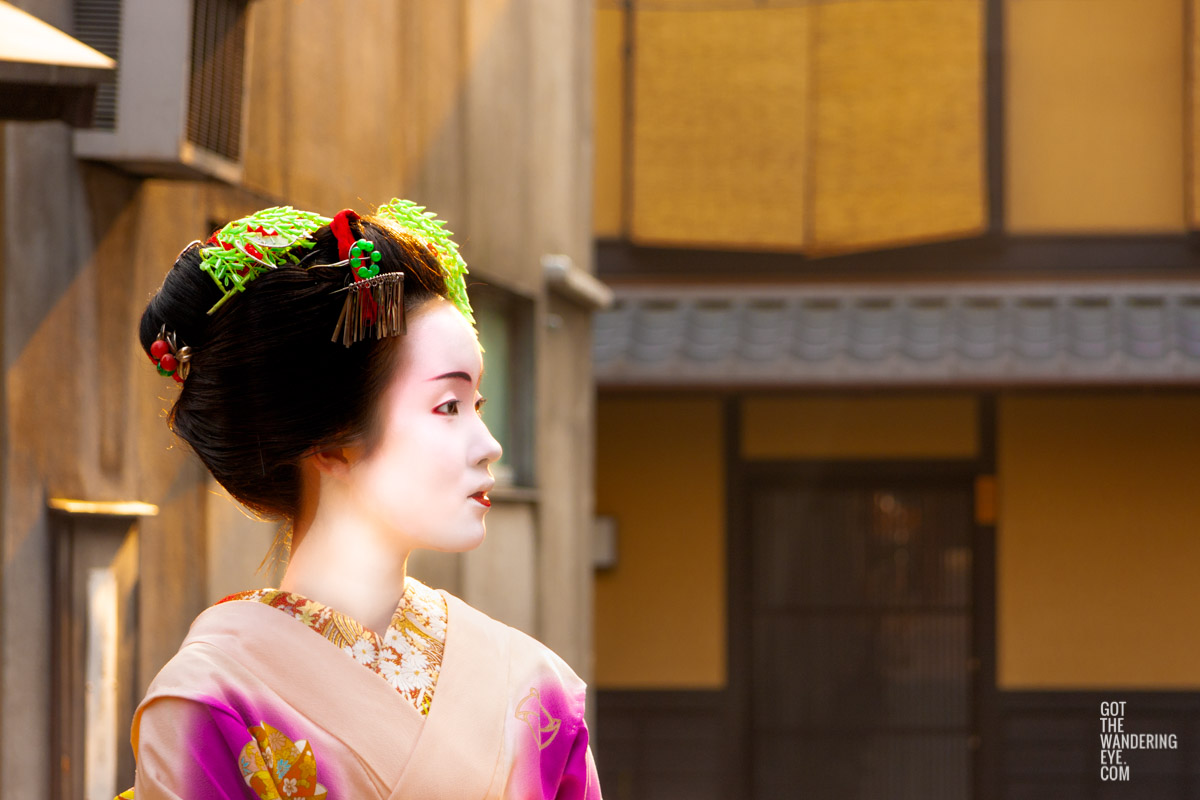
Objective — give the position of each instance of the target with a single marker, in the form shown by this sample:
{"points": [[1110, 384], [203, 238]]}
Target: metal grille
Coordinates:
{"points": [[861, 642], [215, 93], [98, 25]]}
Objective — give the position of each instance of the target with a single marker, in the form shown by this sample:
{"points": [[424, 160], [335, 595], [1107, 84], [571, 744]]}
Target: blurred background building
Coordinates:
{"points": [[113, 538], [897, 419], [894, 414]]}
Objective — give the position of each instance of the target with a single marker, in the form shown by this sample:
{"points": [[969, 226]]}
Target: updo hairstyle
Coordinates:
{"points": [[267, 386]]}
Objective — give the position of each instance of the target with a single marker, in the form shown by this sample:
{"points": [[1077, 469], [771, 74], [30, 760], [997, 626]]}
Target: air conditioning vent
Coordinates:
{"points": [[177, 105], [215, 95], [98, 25]]}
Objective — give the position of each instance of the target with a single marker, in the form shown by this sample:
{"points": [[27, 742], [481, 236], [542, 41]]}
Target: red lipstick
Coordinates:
{"points": [[482, 499]]}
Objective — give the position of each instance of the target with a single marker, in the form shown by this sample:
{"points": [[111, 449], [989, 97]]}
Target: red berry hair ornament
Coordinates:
{"points": [[169, 358]]}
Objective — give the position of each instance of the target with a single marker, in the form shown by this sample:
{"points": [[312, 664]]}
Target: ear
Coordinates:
{"points": [[336, 462]]}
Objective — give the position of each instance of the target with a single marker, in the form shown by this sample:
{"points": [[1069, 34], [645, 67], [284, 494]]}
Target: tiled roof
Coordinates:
{"points": [[900, 335]]}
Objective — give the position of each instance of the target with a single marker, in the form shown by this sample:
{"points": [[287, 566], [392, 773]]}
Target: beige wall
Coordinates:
{"points": [[454, 103], [1098, 540], [1094, 116], [660, 614], [482, 111], [83, 415], [450, 103]]}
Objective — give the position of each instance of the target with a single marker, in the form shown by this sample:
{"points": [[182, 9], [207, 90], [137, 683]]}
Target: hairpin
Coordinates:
{"points": [[169, 357], [374, 300], [248, 247], [377, 303]]}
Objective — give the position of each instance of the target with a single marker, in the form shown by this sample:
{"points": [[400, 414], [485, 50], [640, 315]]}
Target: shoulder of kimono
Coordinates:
{"points": [[531, 657], [530, 661], [207, 668]]}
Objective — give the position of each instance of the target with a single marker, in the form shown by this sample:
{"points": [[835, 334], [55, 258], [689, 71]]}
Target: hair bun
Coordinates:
{"points": [[181, 303], [267, 385]]}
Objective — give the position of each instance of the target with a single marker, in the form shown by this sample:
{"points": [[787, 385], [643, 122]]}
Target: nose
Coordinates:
{"points": [[489, 449]]}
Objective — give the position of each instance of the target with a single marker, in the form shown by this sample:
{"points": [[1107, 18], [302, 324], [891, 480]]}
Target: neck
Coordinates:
{"points": [[343, 561]]}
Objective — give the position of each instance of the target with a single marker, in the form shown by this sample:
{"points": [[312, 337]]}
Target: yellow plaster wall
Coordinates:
{"points": [[817, 127], [1094, 93], [897, 150], [1193, 56], [847, 426], [719, 126], [660, 614], [1098, 543], [609, 131]]}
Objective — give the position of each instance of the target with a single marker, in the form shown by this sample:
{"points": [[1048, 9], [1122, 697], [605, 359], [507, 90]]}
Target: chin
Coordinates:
{"points": [[461, 541]]}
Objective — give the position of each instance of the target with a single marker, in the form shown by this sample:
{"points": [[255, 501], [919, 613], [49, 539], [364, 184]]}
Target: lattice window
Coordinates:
{"points": [[98, 25], [215, 94]]}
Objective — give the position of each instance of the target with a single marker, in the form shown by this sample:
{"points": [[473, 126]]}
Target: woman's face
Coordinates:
{"points": [[427, 477]]}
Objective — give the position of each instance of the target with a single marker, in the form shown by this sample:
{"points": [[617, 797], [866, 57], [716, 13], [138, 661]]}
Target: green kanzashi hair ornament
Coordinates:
{"points": [[364, 250], [247, 248], [426, 226]]}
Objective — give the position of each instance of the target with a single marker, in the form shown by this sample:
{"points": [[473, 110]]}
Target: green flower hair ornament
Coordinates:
{"points": [[248, 247], [426, 226]]}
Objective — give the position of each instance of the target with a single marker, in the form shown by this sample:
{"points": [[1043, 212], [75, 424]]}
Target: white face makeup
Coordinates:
{"points": [[428, 475]]}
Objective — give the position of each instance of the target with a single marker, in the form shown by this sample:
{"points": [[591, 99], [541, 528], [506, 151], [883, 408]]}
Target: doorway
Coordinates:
{"points": [[853, 608], [94, 644]]}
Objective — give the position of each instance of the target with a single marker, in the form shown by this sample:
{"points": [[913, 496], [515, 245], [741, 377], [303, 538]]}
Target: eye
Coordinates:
{"points": [[448, 408], [479, 404]]}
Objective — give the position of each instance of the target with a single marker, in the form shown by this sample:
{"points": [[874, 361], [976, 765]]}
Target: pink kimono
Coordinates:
{"points": [[257, 704]]}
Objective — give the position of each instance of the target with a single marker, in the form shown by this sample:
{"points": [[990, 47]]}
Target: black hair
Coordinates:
{"points": [[267, 386]]}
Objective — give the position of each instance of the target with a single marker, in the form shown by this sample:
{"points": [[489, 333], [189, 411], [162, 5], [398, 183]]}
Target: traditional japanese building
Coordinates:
{"points": [[898, 401], [113, 537]]}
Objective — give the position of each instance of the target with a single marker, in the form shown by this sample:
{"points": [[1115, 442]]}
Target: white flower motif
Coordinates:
{"points": [[289, 787], [363, 651], [414, 668], [390, 670], [394, 639], [418, 660], [420, 604], [407, 672], [436, 627]]}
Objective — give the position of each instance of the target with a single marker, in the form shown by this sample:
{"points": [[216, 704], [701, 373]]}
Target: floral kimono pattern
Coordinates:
{"points": [[408, 655], [260, 704]]}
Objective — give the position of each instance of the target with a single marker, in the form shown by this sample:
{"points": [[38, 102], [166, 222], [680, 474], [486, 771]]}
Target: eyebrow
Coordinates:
{"points": [[456, 375], [459, 376]]}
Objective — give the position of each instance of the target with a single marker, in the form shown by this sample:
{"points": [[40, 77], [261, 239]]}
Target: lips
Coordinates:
{"points": [[482, 499]]}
